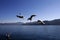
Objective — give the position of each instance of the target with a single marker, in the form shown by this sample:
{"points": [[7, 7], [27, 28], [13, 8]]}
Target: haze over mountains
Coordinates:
{"points": [[52, 22], [13, 23]]}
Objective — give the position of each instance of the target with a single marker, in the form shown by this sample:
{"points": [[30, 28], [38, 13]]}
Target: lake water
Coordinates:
{"points": [[31, 32]]}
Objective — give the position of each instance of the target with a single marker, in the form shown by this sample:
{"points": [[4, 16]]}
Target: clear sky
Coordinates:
{"points": [[44, 9]]}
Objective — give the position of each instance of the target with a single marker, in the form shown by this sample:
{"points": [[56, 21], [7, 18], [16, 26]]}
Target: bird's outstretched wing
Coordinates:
{"points": [[33, 16]]}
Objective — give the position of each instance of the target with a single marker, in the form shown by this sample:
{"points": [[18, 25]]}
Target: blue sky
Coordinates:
{"points": [[44, 9]]}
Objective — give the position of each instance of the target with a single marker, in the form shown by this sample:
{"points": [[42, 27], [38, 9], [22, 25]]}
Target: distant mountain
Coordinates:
{"points": [[33, 23], [52, 22], [38, 22]]}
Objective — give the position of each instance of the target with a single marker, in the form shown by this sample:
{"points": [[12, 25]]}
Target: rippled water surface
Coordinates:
{"points": [[31, 32]]}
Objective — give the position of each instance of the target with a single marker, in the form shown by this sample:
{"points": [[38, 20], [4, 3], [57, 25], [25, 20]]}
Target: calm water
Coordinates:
{"points": [[31, 32]]}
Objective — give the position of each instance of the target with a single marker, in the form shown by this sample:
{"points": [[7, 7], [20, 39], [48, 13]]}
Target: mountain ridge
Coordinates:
{"points": [[52, 22]]}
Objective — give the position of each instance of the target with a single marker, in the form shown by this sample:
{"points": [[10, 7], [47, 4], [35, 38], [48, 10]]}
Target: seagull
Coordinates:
{"points": [[19, 16], [39, 21], [30, 18]]}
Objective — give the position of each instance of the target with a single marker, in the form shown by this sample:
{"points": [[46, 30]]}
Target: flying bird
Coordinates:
{"points": [[30, 18], [19, 16], [39, 21]]}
